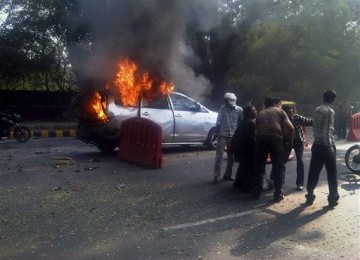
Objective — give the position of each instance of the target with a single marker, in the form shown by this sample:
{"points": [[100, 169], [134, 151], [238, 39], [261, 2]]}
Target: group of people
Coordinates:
{"points": [[250, 137]]}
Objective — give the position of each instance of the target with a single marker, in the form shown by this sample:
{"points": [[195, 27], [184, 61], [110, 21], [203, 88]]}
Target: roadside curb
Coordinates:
{"points": [[50, 133], [43, 129]]}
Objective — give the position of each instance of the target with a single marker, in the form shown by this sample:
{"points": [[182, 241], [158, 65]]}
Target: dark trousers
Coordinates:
{"points": [[272, 145], [244, 173], [299, 151], [342, 128], [321, 155]]}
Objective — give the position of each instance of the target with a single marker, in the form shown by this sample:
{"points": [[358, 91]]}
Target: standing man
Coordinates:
{"points": [[228, 118], [298, 122], [272, 125], [323, 150]]}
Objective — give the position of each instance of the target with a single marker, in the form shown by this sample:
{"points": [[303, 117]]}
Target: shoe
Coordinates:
{"points": [[228, 178], [332, 204], [310, 199], [299, 188], [333, 200], [215, 181], [278, 198]]}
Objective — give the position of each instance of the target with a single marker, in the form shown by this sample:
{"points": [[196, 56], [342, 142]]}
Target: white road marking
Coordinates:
{"points": [[211, 220]]}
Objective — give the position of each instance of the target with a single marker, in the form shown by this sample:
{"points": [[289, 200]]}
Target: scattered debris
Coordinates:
{"points": [[94, 160], [64, 160], [90, 168], [121, 185], [57, 188]]}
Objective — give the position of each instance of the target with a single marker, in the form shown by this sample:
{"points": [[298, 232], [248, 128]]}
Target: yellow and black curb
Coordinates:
{"points": [[49, 133]]}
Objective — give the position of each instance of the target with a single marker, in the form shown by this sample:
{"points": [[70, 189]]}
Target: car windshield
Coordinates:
{"points": [[182, 103]]}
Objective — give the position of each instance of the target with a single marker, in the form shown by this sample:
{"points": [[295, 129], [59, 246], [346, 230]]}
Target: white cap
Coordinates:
{"points": [[231, 98]]}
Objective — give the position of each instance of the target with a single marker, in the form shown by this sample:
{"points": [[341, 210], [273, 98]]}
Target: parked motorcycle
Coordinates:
{"points": [[10, 121], [352, 158]]}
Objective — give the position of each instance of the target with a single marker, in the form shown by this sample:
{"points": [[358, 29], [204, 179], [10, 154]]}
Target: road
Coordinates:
{"points": [[63, 199]]}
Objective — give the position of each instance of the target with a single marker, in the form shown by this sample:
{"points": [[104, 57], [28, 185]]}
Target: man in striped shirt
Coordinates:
{"points": [[272, 124], [298, 122]]}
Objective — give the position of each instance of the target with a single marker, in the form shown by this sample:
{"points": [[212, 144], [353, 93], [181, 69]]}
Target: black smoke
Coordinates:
{"points": [[150, 32]]}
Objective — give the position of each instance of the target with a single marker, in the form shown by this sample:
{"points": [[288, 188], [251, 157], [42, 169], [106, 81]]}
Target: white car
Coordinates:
{"points": [[183, 121]]}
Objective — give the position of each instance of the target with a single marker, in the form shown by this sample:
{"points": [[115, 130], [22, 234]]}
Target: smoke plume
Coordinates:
{"points": [[150, 32]]}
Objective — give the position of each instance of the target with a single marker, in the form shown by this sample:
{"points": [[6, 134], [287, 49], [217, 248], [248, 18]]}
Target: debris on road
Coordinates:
{"points": [[64, 160]]}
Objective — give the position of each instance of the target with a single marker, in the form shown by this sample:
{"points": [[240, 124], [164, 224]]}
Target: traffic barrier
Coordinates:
{"points": [[140, 142], [354, 132]]}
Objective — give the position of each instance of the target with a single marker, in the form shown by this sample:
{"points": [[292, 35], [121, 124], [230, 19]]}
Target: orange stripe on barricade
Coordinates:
{"points": [[140, 142], [354, 132]]}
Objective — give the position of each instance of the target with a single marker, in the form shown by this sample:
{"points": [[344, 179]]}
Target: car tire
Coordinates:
{"points": [[106, 148], [211, 140]]}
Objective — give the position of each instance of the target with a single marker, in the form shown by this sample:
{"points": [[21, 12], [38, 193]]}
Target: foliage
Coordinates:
{"points": [[291, 49], [32, 52]]}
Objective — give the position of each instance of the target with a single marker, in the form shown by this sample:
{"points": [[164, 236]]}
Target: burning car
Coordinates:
{"points": [[99, 112], [183, 120]]}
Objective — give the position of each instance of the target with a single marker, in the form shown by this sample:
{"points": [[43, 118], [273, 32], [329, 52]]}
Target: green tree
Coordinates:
{"points": [[32, 51], [298, 49]]}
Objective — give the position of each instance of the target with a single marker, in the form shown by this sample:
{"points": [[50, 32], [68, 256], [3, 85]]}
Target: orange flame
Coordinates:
{"points": [[99, 107], [96, 106], [131, 82]]}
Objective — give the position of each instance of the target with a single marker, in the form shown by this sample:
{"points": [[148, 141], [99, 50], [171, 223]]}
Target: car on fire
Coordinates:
{"points": [[183, 121]]}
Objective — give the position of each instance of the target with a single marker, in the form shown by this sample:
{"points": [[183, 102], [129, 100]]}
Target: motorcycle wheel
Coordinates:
{"points": [[22, 134], [352, 159]]}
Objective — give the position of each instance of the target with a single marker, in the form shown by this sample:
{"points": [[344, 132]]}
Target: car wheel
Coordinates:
{"points": [[211, 140], [106, 148]]}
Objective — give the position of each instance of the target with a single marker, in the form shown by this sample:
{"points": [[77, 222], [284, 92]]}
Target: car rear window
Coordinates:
{"points": [[156, 103], [118, 102]]}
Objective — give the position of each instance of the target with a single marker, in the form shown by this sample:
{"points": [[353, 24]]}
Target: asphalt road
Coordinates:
{"points": [[63, 199]]}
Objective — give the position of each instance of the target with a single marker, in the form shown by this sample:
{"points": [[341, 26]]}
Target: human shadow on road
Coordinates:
{"points": [[351, 181], [282, 226]]}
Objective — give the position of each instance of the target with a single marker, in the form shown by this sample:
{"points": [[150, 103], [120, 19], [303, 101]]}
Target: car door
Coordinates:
{"points": [[189, 119], [158, 110]]}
